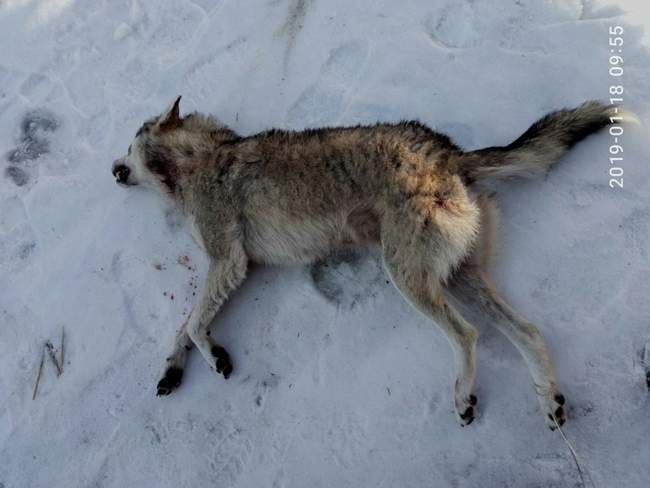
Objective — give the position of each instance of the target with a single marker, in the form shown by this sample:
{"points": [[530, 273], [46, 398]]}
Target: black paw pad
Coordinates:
{"points": [[468, 414], [223, 364], [170, 381], [472, 399], [559, 398]]}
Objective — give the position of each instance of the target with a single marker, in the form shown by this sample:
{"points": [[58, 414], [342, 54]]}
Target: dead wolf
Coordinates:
{"points": [[295, 196]]}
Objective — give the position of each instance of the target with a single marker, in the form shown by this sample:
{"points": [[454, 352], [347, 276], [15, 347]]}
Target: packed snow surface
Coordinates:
{"points": [[337, 381]]}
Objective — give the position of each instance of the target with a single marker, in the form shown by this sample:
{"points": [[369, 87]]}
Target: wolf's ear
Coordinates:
{"points": [[170, 118]]}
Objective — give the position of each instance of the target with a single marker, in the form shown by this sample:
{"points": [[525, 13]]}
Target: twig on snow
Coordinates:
{"points": [[55, 361], [62, 352], [646, 363], [38, 376]]}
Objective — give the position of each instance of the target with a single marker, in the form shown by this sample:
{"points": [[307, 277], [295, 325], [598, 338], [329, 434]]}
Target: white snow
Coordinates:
{"points": [[337, 381]]}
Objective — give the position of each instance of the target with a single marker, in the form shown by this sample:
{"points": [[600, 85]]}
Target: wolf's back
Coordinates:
{"points": [[542, 145]]}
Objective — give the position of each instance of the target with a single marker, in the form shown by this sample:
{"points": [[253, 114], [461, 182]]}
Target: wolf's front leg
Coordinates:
{"points": [[173, 373], [225, 274]]}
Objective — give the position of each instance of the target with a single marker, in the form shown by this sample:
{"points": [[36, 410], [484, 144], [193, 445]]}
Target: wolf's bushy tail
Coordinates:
{"points": [[546, 141]]}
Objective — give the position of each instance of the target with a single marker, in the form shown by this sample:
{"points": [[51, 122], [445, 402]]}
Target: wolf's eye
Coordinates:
{"points": [[129, 151]]}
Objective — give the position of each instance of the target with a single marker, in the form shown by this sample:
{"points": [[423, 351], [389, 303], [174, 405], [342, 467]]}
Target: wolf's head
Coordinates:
{"points": [[168, 147]]}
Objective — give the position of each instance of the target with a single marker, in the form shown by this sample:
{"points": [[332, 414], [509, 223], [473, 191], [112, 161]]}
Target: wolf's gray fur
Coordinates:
{"points": [[294, 197]]}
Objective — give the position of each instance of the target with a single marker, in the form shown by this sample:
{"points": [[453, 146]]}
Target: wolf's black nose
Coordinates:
{"points": [[121, 173]]}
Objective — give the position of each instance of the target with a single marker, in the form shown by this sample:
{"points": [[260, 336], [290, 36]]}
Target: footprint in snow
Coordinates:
{"points": [[17, 239], [349, 278], [262, 387], [323, 102], [34, 143], [229, 453]]}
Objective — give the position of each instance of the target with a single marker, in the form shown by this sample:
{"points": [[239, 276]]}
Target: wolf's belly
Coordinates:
{"points": [[276, 239]]}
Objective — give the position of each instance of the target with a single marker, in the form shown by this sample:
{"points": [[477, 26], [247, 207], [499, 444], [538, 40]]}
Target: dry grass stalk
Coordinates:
{"points": [[38, 376]]}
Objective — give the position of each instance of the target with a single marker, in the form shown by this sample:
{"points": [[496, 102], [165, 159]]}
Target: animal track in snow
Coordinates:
{"points": [[201, 76], [447, 29], [19, 176], [174, 219], [278, 482], [348, 278], [468, 24], [293, 25], [17, 239], [262, 387], [208, 6], [173, 30], [229, 453], [344, 438], [337, 76], [33, 144], [36, 85]]}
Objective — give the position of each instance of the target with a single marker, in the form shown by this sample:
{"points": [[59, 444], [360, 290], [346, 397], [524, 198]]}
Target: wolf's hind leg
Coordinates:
{"points": [[173, 373], [421, 287], [471, 286]]}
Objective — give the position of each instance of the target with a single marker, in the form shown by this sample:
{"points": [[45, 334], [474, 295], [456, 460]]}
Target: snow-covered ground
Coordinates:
{"points": [[337, 381]]}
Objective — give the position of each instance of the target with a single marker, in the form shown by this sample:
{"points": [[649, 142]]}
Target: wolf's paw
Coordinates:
{"points": [[170, 381], [223, 364], [465, 409], [553, 405]]}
